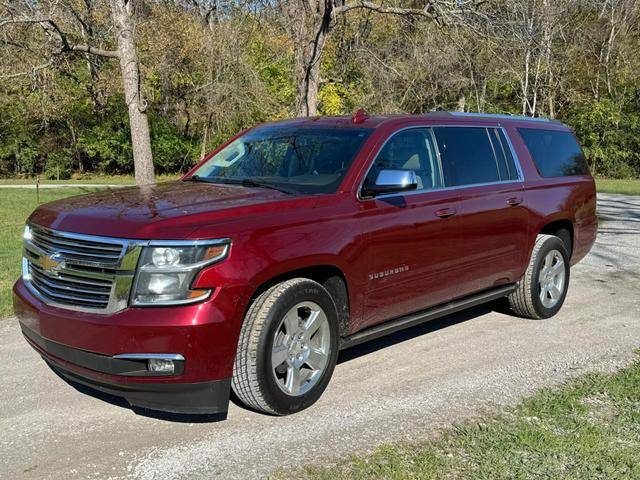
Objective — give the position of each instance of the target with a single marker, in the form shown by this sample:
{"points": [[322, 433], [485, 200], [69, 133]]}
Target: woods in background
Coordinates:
{"points": [[80, 78]]}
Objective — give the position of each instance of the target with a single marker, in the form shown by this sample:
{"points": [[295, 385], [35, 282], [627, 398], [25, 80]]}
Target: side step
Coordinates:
{"points": [[425, 315]]}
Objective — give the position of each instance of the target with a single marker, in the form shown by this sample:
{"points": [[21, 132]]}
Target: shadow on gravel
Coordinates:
{"points": [[352, 353], [143, 412], [412, 332]]}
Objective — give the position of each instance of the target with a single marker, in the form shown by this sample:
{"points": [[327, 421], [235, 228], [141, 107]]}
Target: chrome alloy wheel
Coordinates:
{"points": [[301, 348], [552, 278]]}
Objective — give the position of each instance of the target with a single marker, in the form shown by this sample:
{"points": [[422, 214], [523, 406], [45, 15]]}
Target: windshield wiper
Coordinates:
{"points": [[196, 178], [247, 182]]}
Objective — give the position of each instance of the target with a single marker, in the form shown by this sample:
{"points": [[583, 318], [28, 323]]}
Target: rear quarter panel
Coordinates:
{"points": [[571, 198]]}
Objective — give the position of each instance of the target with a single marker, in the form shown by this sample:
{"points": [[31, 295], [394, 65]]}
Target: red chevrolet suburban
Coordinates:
{"points": [[296, 239]]}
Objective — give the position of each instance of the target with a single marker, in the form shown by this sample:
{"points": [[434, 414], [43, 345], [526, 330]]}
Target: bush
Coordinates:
{"points": [[58, 166], [172, 152], [607, 134]]}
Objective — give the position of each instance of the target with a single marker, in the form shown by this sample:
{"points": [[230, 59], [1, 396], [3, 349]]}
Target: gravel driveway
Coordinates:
{"points": [[401, 387]]}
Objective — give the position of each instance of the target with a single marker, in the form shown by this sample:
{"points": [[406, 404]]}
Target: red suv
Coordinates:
{"points": [[296, 239]]}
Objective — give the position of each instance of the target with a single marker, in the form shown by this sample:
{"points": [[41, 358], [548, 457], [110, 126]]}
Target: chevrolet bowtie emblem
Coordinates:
{"points": [[52, 263]]}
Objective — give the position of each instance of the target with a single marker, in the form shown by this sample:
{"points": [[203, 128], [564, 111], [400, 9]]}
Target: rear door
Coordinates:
{"points": [[413, 237], [479, 163]]}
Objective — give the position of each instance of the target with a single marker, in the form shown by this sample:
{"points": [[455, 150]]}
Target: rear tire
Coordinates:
{"points": [[288, 348], [541, 291]]}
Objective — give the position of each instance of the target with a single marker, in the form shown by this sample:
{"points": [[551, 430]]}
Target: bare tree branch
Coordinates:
{"points": [[94, 51], [9, 21], [30, 72], [52, 29], [434, 9]]}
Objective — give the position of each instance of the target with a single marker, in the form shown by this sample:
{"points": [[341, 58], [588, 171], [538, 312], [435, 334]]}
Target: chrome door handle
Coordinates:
{"points": [[514, 201], [445, 212]]}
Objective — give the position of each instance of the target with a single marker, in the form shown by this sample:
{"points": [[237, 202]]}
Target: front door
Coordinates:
{"points": [[413, 237]]}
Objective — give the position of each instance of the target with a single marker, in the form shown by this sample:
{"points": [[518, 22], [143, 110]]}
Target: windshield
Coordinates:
{"points": [[301, 160]]}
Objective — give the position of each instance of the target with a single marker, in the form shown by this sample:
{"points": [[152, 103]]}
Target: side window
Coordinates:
{"points": [[410, 149], [467, 155], [555, 153]]}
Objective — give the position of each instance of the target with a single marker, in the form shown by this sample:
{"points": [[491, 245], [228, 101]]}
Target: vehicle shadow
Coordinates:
{"points": [[121, 402], [403, 335], [344, 356]]}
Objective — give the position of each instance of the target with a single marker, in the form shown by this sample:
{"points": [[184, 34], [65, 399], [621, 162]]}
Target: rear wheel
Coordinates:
{"points": [[542, 290], [287, 349]]}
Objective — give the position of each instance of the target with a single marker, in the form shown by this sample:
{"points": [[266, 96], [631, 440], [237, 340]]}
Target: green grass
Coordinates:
{"points": [[15, 206], [89, 178], [627, 187], [589, 428]]}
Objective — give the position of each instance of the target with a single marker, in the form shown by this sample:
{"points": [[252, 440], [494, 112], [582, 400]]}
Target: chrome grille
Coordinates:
{"points": [[70, 289], [79, 272], [74, 248]]}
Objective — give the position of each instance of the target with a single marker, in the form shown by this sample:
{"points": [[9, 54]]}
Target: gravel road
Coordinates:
{"points": [[401, 387]]}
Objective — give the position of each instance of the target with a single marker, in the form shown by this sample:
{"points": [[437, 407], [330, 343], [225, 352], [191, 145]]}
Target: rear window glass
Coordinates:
{"points": [[555, 153], [467, 155]]}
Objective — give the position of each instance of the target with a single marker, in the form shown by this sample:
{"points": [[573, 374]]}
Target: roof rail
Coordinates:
{"points": [[508, 116]]}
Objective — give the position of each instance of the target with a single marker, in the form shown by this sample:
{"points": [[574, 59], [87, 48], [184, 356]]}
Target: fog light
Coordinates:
{"points": [[160, 365]]}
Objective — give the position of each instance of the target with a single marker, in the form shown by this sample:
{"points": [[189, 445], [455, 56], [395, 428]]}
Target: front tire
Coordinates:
{"points": [[541, 291], [288, 348]]}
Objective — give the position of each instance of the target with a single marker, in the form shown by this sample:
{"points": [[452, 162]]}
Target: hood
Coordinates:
{"points": [[162, 211]]}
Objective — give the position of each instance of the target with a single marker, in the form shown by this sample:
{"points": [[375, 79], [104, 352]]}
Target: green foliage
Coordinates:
{"points": [[332, 99], [609, 136], [272, 60], [172, 151], [206, 80], [19, 156], [58, 166], [107, 145]]}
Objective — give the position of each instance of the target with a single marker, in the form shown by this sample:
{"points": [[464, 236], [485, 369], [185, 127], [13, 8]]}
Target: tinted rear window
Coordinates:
{"points": [[469, 157], [555, 153]]}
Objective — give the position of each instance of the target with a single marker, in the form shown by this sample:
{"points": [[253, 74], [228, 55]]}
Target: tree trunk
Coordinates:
{"points": [[122, 14], [307, 83], [308, 23], [461, 104]]}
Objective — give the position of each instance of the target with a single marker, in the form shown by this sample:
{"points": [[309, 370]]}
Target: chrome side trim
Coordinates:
{"points": [[516, 160]]}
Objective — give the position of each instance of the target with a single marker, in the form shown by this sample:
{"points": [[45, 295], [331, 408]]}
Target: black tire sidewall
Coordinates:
{"points": [[280, 402], [552, 243]]}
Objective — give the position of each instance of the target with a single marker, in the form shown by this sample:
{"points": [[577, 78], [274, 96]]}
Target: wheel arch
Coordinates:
{"points": [[329, 276], [562, 228]]}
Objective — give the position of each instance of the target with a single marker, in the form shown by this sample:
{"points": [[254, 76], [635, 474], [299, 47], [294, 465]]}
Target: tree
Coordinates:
{"points": [[122, 12], [309, 23], [53, 18]]}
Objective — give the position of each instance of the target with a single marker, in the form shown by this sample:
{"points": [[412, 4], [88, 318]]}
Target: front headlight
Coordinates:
{"points": [[166, 270]]}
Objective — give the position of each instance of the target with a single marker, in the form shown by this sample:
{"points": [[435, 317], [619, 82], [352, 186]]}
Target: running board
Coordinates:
{"points": [[425, 315]]}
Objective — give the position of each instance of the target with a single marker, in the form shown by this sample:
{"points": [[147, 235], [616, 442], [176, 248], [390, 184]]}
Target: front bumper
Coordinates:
{"points": [[81, 346], [184, 398]]}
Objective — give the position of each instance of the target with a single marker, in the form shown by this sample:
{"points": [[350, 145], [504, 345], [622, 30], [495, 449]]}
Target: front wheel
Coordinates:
{"points": [[288, 348], [541, 291]]}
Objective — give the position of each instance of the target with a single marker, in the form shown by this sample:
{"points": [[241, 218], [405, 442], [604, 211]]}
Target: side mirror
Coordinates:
{"points": [[391, 181]]}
